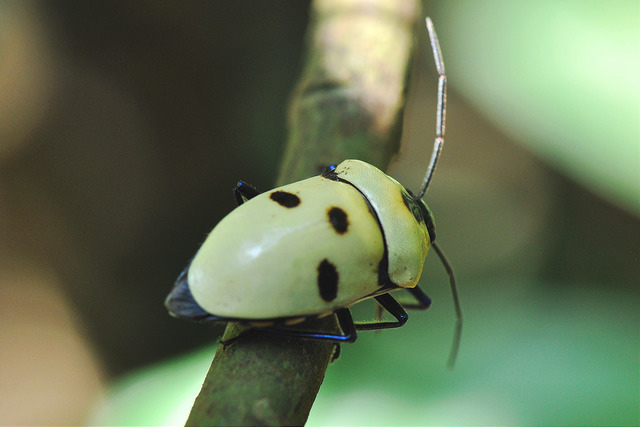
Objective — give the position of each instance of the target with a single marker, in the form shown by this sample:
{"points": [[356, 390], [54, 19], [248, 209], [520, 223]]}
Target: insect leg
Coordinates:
{"points": [[244, 192], [423, 302], [344, 320], [393, 307]]}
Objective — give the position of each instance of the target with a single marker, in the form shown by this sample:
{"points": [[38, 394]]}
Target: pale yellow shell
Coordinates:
{"points": [[262, 260], [407, 239]]}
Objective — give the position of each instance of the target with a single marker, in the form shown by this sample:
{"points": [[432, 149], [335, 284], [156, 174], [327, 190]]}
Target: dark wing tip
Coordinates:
{"points": [[182, 305]]}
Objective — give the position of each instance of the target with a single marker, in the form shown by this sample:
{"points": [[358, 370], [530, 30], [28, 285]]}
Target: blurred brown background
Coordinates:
{"points": [[124, 128]]}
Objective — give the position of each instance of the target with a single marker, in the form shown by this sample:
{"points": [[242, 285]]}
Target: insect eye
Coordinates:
{"points": [[412, 205], [428, 219], [415, 210], [420, 212]]}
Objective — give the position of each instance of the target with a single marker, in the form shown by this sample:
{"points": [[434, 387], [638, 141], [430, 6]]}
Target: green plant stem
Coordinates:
{"points": [[347, 104]]}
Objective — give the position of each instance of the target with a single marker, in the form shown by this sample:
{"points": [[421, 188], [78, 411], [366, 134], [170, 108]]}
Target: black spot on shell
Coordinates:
{"points": [[338, 219], [327, 280], [288, 200]]}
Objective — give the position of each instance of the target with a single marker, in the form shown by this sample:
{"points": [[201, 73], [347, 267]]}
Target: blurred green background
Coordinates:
{"points": [[125, 125]]}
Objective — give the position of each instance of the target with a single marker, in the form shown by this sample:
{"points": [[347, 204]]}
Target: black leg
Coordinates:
{"points": [[244, 192], [349, 328], [336, 352], [393, 307], [344, 320], [423, 301]]}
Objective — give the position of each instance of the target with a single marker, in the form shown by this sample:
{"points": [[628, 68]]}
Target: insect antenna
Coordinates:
{"points": [[441, 113], [456, 302], [442, 106]]}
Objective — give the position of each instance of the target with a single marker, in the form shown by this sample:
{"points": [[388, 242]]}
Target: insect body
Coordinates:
{"points": [[314, 248]]}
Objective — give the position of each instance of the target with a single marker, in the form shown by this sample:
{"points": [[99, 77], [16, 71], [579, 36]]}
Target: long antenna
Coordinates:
{"points": [[442, 106], [456, 302]]}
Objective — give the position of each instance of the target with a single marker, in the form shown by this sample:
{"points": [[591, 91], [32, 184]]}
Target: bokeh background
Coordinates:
{"points": [[124, 125]]}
